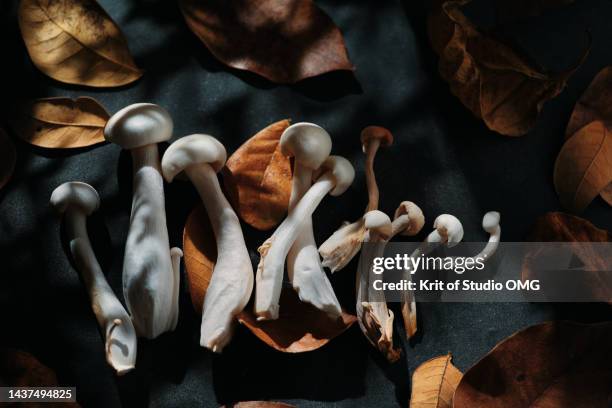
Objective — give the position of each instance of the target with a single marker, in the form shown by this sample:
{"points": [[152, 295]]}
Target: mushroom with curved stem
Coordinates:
{"points": [[150, 277], [343, 244], [408, 220], [374, 317], [75, 201], [490, 223], [200, 157], [309, 145], [447, 230], [334, 176]]}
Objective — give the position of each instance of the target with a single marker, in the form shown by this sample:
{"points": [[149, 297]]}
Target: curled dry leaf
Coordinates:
{"points": [[434, 383], [62, 123], [76, 42], [257, 178], [554, 364], [584, 166], [284, 41], [300, 326], [559, 227], [8, 158], [496, 82], [199, 254], [258, 404]]}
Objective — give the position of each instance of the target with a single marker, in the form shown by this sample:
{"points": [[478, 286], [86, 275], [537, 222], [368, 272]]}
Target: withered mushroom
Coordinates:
{"points": [[200, 157]]}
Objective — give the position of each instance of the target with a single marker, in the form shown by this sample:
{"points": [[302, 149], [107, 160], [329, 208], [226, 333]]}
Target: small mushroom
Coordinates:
{"points": [[150, 277], [408, 220], [374, 317], [490, 223], [75, 201], [200, 157], [309, 145], [334, 176], [448, 230], [338, 250]]}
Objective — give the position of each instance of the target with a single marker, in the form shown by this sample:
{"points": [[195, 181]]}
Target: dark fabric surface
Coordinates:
{"points": [[443, 159]]}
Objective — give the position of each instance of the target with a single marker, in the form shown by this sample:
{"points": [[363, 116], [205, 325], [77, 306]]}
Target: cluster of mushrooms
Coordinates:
{"points": [[151, 269]]}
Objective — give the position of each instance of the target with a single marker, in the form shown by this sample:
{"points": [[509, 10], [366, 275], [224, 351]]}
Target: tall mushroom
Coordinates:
{"points": [[343, 244], [75, 201], [408, 220], [200, 157], [309, 145], [334, 176], [150, 277], [374, 317]]}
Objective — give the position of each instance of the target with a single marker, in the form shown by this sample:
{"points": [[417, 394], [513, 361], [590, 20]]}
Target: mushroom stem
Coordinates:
{"points": [[274, 251], [232, 279], [408, 303], [113, 320], [148, 277], [373, 193], [304, 268]]}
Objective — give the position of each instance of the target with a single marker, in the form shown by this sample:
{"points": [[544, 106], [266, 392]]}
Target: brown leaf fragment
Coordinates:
{"points": [[76, 42], [553, 364], [300, 326], [593, 280], [493, 80], [22, 369], [62, 123], [199, 254], [584, 166], [8, 158], [258, 404], [434, 383], [257, 178], [284, 41]]}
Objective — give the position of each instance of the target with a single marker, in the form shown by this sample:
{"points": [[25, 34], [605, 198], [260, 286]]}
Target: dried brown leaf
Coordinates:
{"points": [[22, 369], [8, 158], [284, 41], [434, 383], [560, 227], [62, 123], [199, 254], [584, 166], [300, 326], [75, 41], [554, 364], [496, 82], [258, 404], [257, 178], [594, 105]]}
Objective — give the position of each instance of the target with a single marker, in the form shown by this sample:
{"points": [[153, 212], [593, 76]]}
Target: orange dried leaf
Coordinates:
{"points": [[300, 326], [257, 178], [199, 254], [554, 364], [8, 158], [434, 383], [496, 82], [62, 123], [284, 41], [76, 42]]}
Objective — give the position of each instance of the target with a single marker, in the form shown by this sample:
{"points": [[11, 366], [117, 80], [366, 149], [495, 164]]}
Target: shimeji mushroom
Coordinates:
{"points": [[200, 157], [75, 201], [490, 223], [309, 145], [150, 277], [334, 176], [373, 315], [343, 245], [408, 220]]}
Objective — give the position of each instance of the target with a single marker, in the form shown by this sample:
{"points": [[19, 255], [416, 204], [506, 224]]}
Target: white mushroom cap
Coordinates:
{"points": [[310, 144], [75, 194], [341, 169], [490, 222], [192, 150], [378, 222], [416, 219], [138, 125], [449, 228]]}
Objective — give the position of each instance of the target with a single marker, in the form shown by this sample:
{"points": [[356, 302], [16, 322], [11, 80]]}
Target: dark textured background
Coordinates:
{"points": [[443, 159]]}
